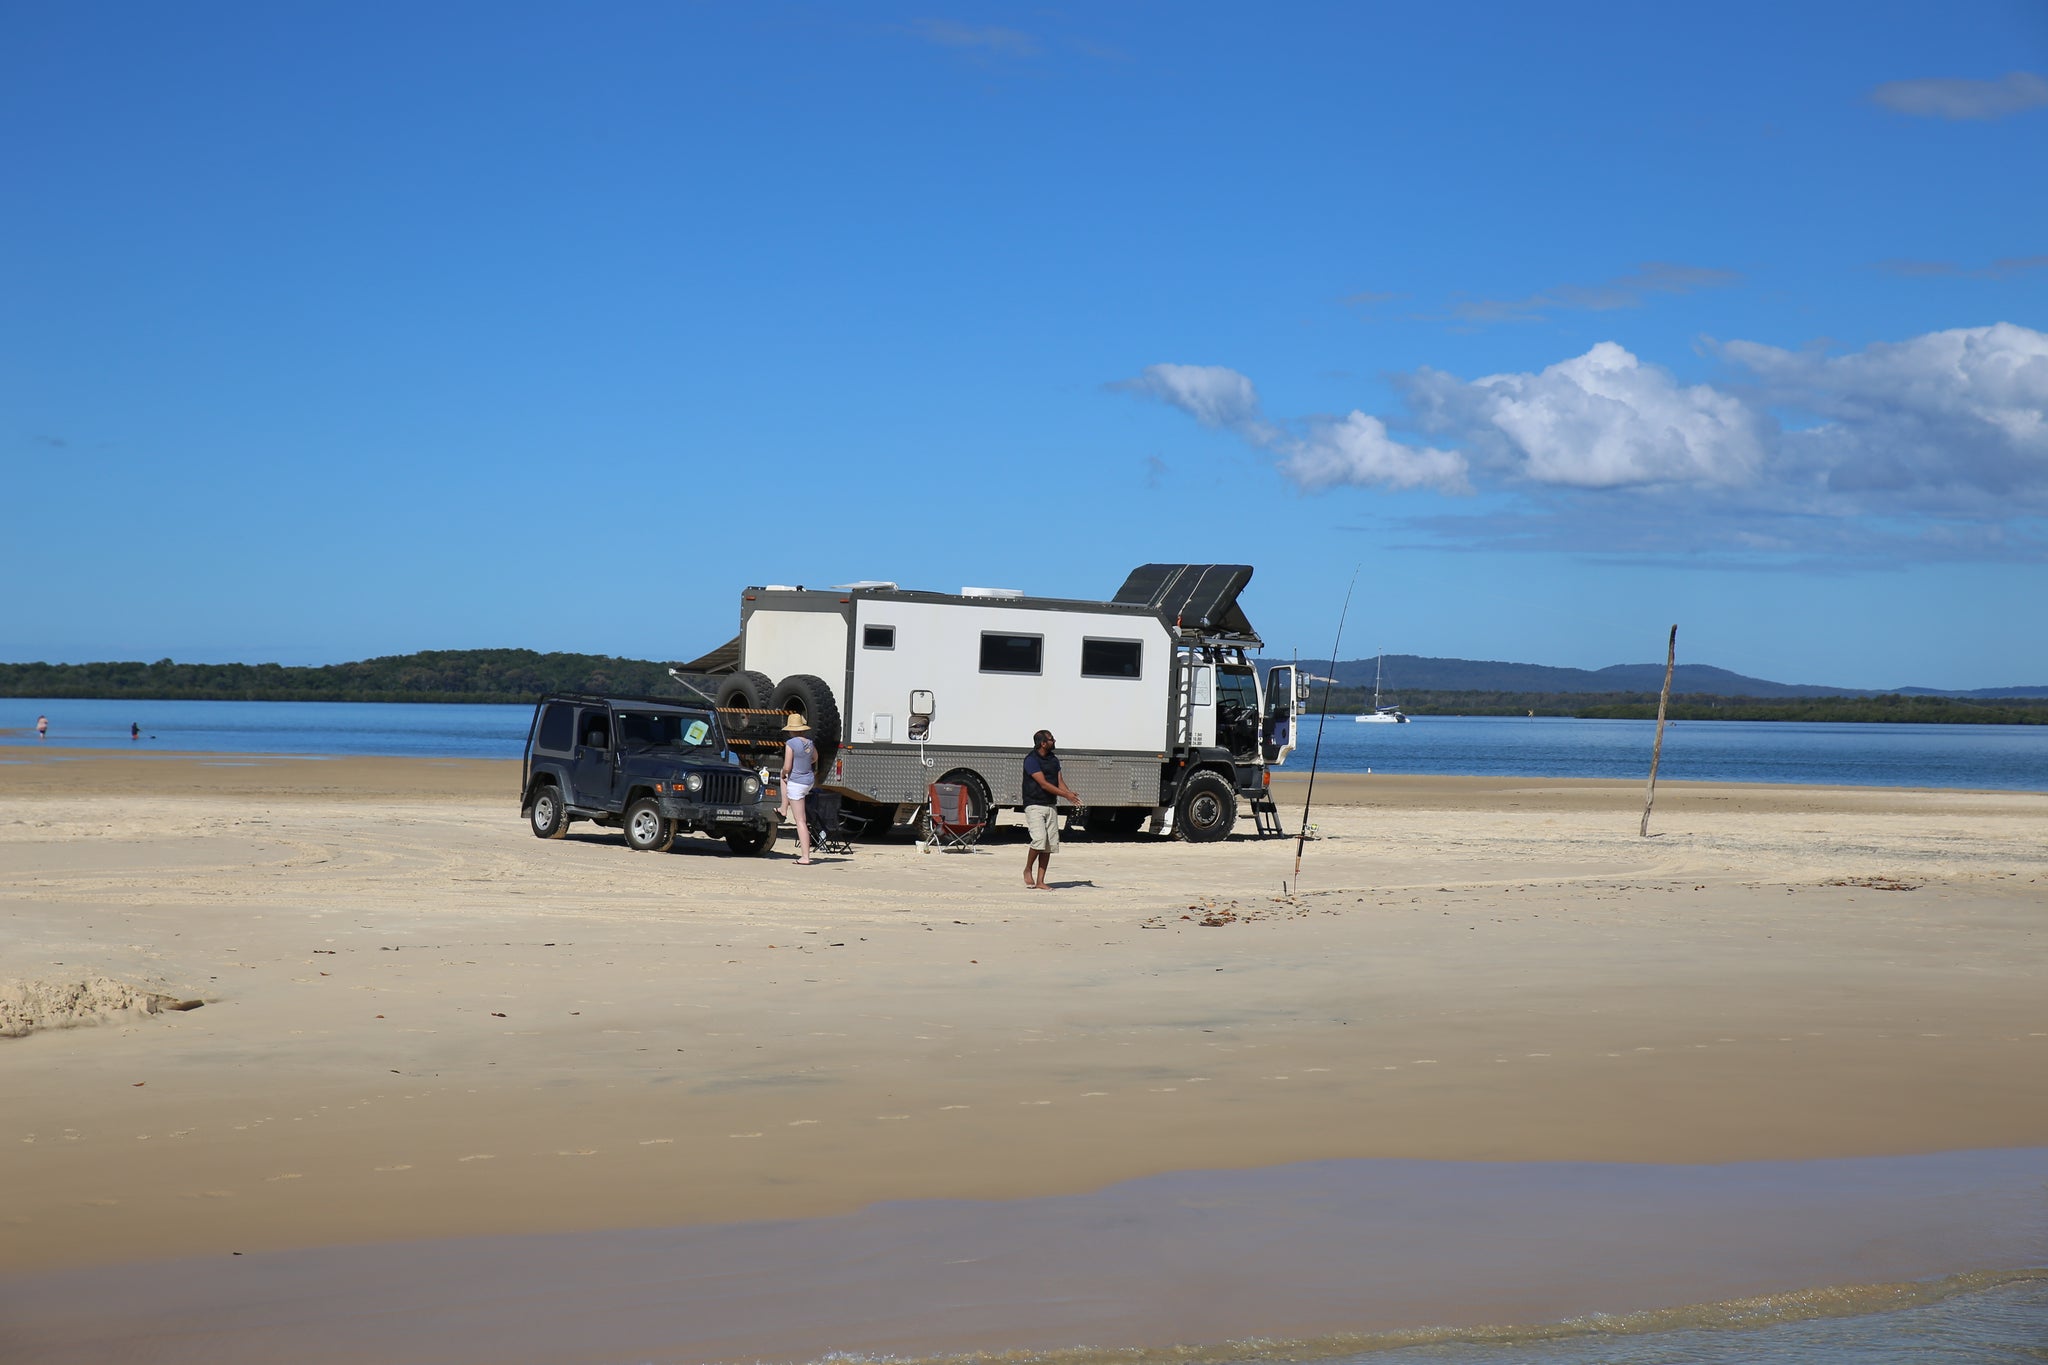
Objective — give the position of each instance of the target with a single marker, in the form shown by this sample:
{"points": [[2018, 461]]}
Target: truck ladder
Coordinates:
{"points": [[1266, 815]]}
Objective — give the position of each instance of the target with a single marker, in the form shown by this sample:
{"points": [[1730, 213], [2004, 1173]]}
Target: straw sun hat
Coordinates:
{"points": [[796, 724]]}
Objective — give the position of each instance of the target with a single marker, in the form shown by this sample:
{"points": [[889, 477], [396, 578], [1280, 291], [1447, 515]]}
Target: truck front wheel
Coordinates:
{"points": [[1206, 810]]}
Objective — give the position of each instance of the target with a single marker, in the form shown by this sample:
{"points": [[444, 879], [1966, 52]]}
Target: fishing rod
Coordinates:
{"points": [[1322, 719]]}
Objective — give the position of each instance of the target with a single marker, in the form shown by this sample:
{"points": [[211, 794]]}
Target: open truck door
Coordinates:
{"points": [[1283, 712]]}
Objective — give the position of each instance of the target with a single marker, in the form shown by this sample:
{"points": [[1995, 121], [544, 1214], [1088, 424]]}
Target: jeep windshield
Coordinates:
{"points": [[669, 730]]}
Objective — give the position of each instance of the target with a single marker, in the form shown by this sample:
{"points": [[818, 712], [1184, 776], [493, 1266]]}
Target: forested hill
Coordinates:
{"points": [[1410, 673], [455, 675]]}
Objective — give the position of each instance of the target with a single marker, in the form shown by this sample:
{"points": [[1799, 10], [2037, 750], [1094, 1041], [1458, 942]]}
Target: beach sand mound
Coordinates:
{"points": [[26, 1006]]}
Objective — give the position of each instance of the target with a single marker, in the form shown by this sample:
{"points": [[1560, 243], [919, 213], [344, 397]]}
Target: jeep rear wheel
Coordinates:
{"points": [[752, 843], [646, 830], [550, 817]]}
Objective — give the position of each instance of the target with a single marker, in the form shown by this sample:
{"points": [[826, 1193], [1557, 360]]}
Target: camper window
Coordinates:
{"points": [[1012, 653], [878, 637], [1112, 658]]}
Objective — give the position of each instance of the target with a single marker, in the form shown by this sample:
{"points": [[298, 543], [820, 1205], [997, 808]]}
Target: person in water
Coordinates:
{"points": [[799, 775], [135, 730], [42, 727]]}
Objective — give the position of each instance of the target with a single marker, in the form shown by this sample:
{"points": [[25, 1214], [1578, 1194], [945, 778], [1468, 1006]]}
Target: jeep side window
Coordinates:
{"points": [[557, 727], [595, 728]]}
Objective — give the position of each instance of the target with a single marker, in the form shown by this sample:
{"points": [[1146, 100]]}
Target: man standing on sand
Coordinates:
{"points": [[1042, 791]]}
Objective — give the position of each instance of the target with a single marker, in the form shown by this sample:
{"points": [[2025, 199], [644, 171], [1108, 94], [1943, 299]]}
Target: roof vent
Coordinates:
{"points": [[992, 592], [784, 587], [865, 585]]}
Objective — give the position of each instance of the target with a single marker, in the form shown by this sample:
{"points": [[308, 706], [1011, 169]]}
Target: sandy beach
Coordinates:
{"points": [[420, 1022]]}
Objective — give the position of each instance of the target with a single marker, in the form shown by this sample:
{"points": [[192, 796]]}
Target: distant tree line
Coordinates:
{"points": [[1891, 707], [448, 675], [519, 675]]}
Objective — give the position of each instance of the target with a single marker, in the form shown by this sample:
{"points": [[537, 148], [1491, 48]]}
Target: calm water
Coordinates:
{"points": [[2008, 757]]}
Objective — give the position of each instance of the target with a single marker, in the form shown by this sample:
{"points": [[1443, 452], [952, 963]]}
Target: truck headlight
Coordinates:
{"points": [[751, 787], [695, 782]]}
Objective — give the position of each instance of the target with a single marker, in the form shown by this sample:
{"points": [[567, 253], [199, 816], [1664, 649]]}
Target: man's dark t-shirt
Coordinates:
{"points": [[1035, 795]]}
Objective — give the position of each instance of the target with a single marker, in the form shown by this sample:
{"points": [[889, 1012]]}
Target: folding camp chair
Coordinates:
{"points": [[950, 820], [822, 813]]}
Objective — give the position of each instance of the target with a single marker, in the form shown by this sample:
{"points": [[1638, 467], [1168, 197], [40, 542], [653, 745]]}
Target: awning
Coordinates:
{"points": [[724, 659]]}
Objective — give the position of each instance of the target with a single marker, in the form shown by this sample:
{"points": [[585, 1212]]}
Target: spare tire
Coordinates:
{"points": [[746, 689], [811, 698]]}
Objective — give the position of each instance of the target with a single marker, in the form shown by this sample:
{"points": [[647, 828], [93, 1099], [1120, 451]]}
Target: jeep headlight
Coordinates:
{"points": [[695, 782], [751, 787]]}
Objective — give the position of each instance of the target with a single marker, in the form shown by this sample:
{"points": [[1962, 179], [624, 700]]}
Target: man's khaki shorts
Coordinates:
{"points": [[1045, 827]]}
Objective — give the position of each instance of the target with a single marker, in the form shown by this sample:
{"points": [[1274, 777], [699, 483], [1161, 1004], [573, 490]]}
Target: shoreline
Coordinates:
{"points": [[421, 1023]]}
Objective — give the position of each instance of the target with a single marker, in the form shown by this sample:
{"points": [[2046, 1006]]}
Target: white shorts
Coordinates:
{"points": [[1044, 822], [796, 791]]}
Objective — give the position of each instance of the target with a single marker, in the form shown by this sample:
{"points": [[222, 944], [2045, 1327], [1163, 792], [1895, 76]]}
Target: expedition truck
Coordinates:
{"points": [[1161, 716]]}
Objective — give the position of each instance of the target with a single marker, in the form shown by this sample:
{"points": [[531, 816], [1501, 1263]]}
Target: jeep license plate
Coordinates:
{"points": [[732, 815]]}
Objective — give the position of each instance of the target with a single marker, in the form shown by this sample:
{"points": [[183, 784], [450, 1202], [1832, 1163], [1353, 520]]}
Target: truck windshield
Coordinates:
{"points": [[668, 730]]}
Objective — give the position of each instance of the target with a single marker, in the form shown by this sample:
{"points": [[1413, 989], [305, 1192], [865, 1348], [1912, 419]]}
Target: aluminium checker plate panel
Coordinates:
{"points": [[893, 773]]}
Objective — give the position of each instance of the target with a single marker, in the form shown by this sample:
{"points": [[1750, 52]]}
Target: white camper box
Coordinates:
{"points": [[1159, 712]]}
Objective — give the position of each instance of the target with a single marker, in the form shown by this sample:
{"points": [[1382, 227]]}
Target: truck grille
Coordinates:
{"points": [[722, 789]]}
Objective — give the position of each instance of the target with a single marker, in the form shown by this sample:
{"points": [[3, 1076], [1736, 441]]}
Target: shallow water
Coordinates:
{"points": [[1934, 1257], [1994, 757]]}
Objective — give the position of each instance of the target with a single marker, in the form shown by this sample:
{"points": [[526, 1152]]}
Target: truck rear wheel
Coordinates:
{"points": [[811, 698], [1206, 810], [979, 800], [746, 690]]}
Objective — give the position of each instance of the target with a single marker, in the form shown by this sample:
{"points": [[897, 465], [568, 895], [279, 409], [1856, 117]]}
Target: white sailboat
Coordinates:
{"points": [[1380, 715]]}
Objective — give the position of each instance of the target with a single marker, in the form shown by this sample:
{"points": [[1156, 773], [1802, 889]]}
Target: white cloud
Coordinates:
{"points": [[1600, 420], [1357, 450], [1214, 395], [1955, 416], [1936, 447], [2013, 93]]}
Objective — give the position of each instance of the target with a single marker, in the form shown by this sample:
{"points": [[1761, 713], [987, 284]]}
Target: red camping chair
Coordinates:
{"points": [[950, 820]]}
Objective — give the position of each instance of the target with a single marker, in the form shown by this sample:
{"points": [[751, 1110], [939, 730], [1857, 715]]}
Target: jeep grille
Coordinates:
{"points": [[722, 789]]}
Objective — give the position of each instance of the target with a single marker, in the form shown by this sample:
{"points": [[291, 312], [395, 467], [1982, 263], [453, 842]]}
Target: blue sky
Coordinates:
{"points": [[339, 330]]}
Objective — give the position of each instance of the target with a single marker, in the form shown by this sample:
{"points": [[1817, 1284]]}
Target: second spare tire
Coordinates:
{"points": [[811, 697]]}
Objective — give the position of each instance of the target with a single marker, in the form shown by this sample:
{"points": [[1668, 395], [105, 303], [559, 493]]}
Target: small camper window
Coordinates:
{"points": [[878, 637], [1012, 653], [1112, 658]]}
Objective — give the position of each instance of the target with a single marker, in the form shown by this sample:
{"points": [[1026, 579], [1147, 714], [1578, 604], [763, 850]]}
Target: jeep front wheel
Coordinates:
{"points": [[550, 816], [646, 830]]}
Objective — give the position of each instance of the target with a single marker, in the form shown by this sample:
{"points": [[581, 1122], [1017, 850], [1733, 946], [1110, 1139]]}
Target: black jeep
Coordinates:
{"points": [[652, 768]]}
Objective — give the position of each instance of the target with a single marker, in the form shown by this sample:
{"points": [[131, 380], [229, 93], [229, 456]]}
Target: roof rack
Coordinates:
{"points": [[621, 696]]}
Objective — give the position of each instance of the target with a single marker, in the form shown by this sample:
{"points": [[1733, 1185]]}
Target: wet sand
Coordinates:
{"points": [[421, 1022]]}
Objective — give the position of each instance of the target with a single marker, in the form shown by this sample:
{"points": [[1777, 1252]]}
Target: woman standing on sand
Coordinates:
{"points": [[799, 775]]}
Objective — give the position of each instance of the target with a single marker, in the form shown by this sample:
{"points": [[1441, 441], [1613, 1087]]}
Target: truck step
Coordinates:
{"points": [[1266, 816]]}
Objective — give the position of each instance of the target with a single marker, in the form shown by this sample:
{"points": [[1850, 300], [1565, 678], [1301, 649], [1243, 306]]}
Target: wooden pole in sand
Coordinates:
{"points": [[1657, 749], [1322, 719]]}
